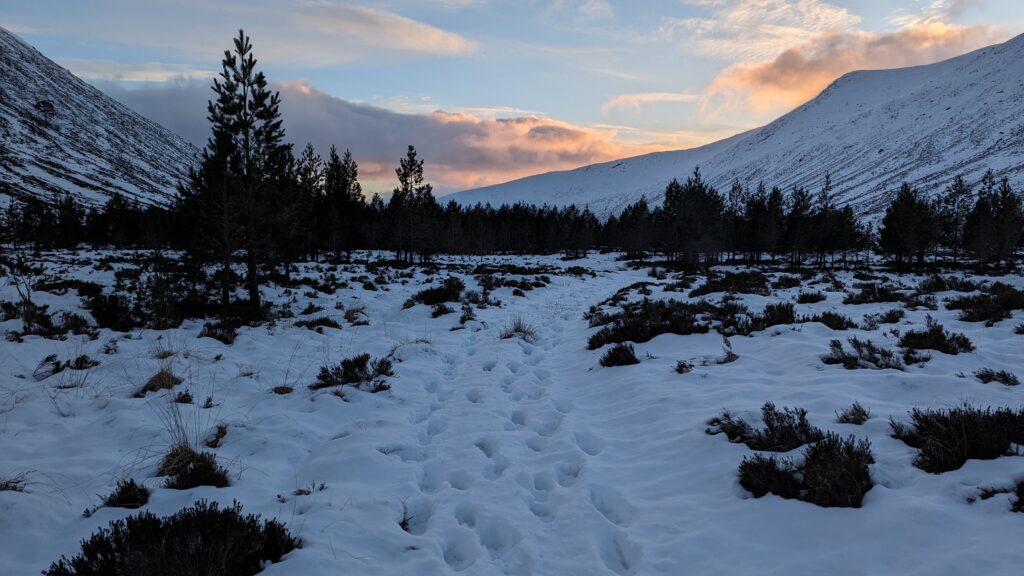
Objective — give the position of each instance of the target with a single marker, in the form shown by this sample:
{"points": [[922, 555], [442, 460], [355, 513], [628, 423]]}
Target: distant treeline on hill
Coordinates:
{"points": [[252, 197]]}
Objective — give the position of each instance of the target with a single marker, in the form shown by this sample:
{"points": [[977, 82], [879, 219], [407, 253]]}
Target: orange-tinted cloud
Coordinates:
{"points": [[802, 72], [461, 150]]}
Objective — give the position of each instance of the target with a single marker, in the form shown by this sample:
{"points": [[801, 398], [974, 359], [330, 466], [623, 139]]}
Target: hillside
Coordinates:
{"points": [[89, 145], [870, 130]]}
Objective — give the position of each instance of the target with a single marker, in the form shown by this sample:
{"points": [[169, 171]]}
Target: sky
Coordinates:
{"points": [[493, 90]]}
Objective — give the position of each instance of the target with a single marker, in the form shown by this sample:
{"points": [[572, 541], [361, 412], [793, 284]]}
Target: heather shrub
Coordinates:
{"points": [[810, 297], [128, 494], [641, 321], [833, 320], [200, 539], [750, 282], [784, 430], [619, 355], [864, 354], [450, 290], [946, 439], [935, 337], [855, 414], [988, 375], [778, 314], [358, 372]]}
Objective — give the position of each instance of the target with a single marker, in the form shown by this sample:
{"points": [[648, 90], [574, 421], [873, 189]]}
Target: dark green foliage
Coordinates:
{"points": [[201, 539], [946, 439], [865, 354], [835, 472], [785, 281], [358, 372], [318, 324], [751, 282], [996, 304], [449, 291], [936, 283], [935, 337], [128, 494], [874, 293], [619, 355], [810, 297], [778, 314], [987, 375], [762, 475], [641, 321], [115, 312], [222, 330], [783, 430], [855, 414], [910, 227], [192, 469], [440, 310], [833, 320]]}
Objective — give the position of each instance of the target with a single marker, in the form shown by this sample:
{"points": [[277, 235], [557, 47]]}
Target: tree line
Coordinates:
{"points": [[252, 199]]}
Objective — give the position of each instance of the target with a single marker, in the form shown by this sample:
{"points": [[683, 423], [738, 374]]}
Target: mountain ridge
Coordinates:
{"points": [[90, 145], [869, 129]]}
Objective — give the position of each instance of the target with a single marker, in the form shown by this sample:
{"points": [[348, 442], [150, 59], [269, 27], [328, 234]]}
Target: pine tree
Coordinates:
{"points": [[412, 209], [910, 226], [956, 204]]}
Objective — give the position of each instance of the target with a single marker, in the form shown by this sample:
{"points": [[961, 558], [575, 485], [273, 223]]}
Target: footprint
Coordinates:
{"points": [[567, 474], [619, 553], [497, 467], [489, 365], [612, 505], [548, 425], [591, 444], [518, 417], [474, 396], [459, 549], [537, 443], [460, 480], [430, 478], [544, 510], [489, 446], [435, 427]]}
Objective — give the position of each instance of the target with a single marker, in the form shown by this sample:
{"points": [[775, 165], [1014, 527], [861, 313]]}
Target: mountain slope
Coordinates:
{"points": [[870, 130], [91, 146]]}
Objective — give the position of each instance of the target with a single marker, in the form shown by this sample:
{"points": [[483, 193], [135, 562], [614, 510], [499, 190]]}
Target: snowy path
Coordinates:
{"points": [[493, 457]]}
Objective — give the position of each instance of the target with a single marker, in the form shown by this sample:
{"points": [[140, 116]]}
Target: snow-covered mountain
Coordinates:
{"points": [[870, 130], [88, 144]]}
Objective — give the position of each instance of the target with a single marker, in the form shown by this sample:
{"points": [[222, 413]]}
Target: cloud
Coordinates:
{"points": [[582, 10], [741, 30], [800, 73], [640, 100], [302, 34], [461, 150], [131, 71]]}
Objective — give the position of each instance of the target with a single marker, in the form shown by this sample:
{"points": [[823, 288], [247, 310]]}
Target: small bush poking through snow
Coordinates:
{"points": [[864, 355], [833, 320], [440, 310], [15, 483], [783, 430], [810, 298], [946, 439], [193, 469], [201, 539], [639, 322], [449, 291], [318, 324], [1018, 504], [872, 321], [987, 375], [684, 367], [164, 379], [519, 328], [619, 355], [751, 282], [855, 414], [762, 475], [935, 337], [834, 473], [778, 314], [356, 316], [128, 494], [358, 372], [223, 330]]}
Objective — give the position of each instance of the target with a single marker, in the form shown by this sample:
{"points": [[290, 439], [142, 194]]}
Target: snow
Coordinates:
{"points": [[870, 130], [92, 147], [506, 456]]}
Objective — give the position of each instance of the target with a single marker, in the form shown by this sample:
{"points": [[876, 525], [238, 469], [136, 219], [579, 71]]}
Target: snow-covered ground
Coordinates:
{"points": [[505, 456]]}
